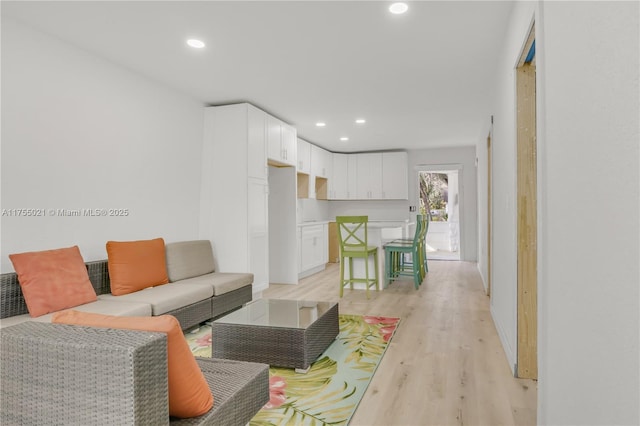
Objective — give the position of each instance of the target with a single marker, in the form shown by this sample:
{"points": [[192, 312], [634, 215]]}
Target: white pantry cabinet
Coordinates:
{"points": [[234, 195]]}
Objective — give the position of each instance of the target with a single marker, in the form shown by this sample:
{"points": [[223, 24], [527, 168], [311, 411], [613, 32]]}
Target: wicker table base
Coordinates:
{"points": [[281, 333]]}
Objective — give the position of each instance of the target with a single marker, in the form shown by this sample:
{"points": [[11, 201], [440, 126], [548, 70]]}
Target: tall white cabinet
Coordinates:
{"points": [[234, 207]]}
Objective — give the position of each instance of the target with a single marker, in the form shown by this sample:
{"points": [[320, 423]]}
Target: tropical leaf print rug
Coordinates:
{"points": [[330, 392]]}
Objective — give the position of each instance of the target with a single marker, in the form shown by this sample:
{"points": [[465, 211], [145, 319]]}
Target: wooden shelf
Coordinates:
{"points": [[303, 185], [321, 188]]}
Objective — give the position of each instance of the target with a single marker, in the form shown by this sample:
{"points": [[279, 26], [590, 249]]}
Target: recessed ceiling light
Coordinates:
{"points": [[320, 124], [344, 139], [361, 121], [198, 44], [398, 8]]}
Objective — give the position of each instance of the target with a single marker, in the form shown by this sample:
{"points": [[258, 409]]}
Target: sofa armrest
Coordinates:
{"points": [[64, 374], [240, 389]]}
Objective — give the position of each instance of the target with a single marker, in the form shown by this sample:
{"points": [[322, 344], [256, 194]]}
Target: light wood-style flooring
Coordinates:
{"points": [[445, 364]]}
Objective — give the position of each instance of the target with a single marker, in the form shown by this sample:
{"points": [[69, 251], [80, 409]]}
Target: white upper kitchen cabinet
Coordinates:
{"points": [[328, 164], [339, 182], [289, 144], [369, 176], [234, 190], [281, 142], [319, 160], [352, 177], [395, 183], [304, 156]]}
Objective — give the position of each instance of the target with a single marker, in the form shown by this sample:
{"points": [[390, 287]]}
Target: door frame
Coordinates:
{"points": [[527, 208], [435, 168], [489, 210]]}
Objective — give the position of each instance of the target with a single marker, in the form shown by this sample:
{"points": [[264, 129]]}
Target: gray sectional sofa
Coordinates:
{"points": [[56, 374], [196, 292], [73, 375]]}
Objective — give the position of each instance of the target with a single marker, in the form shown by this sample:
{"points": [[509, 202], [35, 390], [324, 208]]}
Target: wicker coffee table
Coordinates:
{"points": [[281, 333]]}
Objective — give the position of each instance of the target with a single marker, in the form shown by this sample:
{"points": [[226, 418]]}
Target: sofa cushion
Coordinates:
{"points": [[187, 259], [124, 309], [165, 298], [189, 393], [17, 319], [221, 282], [135, 265], [52, 280]]}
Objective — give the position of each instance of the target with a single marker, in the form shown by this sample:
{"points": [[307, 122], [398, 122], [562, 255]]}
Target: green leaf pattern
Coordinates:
{"points": [[330, 391]]}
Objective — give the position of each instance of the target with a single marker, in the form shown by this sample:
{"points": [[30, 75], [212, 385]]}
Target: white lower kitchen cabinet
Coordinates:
{"points": [[312, 248]]}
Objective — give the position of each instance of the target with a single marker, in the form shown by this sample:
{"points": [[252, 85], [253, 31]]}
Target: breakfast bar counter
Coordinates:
{"points": [[379, 233]]}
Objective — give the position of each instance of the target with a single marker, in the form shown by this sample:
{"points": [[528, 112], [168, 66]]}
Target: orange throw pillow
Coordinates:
{"points": [[189, 393], [136, 265], [52, 280]]}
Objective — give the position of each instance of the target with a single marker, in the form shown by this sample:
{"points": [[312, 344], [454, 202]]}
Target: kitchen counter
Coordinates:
{"points": [[313, 222]]}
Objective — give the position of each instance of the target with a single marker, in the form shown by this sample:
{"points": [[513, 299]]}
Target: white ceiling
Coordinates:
{"points": [[421, 80]]}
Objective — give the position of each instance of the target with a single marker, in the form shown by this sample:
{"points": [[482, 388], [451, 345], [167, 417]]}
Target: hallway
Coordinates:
{"points": [[445, 365]]}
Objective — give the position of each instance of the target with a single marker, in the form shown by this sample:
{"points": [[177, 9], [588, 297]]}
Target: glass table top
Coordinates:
{"points": [[278, 313]]}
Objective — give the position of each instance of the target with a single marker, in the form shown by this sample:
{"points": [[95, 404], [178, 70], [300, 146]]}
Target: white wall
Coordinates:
{"points": [[465, 156], [376, 210], [482, 181], [588, 275], [589, 278], [504, 255], [80, 132], [310, 209]]}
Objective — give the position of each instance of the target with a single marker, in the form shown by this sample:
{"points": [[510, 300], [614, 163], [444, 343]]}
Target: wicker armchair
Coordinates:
{"points": [[53, 374]]}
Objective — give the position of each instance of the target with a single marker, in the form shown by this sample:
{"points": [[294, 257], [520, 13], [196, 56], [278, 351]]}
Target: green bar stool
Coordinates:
{"points": [[354, 243], [422, 227], [397, 265]]}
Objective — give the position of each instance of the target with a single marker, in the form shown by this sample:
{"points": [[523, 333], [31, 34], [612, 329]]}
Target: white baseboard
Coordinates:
{"points": [[484, 281], [312, 271], [508, 350]]}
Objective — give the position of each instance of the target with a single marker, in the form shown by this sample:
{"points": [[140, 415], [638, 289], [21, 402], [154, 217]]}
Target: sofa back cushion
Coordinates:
{"points": [[188, 259], [136, 265], [189, 393], [52, 280]]}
